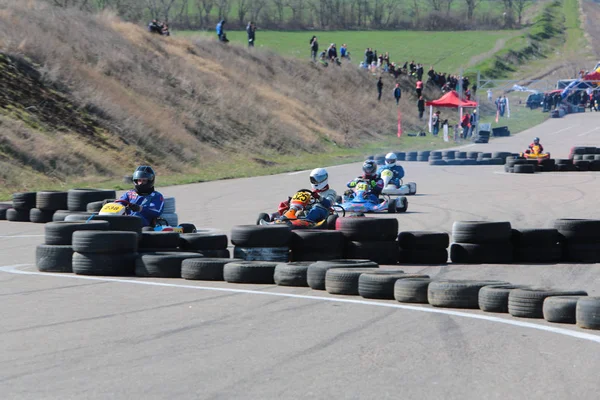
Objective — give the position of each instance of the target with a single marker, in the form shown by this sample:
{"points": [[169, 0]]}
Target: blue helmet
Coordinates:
{"points": [[144, 172]]}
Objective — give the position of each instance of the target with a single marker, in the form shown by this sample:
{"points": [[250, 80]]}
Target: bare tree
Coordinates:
{"points": [[243, 9], [436, 5], [223, 6], [508, 12], [448, 4], [280, 8], [256, 8], [519, 6], [205, 7], [297, 7], [471, 5]]}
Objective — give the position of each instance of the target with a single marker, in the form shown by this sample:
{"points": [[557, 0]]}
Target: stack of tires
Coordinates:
{"points": [[401, 155], [418, 247], [78, 200], [529, 302], [317, 272], [150, 241], [581, 239], [586, 155], [370, 238], [105, 253], [448, 155], [457, 293], [316, 244], [56, 254], [435, 158], [423, 156], [536, 245], [46, 204], [411, 156], [21, 206], [261, 242], [122, 223], [170, 212], [478, 242], [162, 264], [3, 208], [488, 159], [206, 242]]}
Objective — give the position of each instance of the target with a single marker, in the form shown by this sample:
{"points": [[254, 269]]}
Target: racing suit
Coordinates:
{"points": [[152, 205], [532, 145], [396, 169], [318, 211], [375, 184]]}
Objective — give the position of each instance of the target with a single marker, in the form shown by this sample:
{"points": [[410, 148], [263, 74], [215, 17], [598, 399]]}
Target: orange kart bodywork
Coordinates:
{"points": [[535, 154]]}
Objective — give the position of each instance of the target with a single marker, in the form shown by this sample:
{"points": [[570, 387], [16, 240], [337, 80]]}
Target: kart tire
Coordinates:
{"points": [[80, 216], [481, 232], [315, 275], [411, 290], [529, 302], [292, 274], [539, 254], [220, 253], [104, 264], [275, 254], [587, 313], [54, 258], [60, 215], [368, 229], [412, 188], [3, 208], [345, 280], [489, 253], [494, 298], [40, 216], [578, 230], [473, 155], [433, 256], [249, 272], [113, 242], [381, 252], [171, 218], [423, 240], [380, 285], [401, 204], [51, 200], [457, 293], [24, 200], [392, 206], [17, 215], [535, 237], [560, 309], [581, 253], [202, 241], [449, 154], [314, 242], [331, 221], [78, 199], [263, 217], [437, 162], [204, 269], [162, 264], [169, 206], [261, 236], [462, 155], [96, 206], [123, 223], [61, 233], [159, 240], [187, 227]]}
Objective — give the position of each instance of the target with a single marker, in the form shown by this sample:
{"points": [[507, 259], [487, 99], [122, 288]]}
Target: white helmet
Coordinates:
{"points": [[391, 158], [319, 178]]}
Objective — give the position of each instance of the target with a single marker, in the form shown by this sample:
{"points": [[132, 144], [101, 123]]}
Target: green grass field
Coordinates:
{"points": [[446, 51]]}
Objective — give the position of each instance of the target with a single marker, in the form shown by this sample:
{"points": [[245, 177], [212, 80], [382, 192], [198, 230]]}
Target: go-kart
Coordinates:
{"points": [[295, 216], [359, 201], [390, 189], [535, 154], [121, 207]]}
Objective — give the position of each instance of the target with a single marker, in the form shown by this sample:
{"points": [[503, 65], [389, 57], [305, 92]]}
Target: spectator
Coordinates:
{"points": [[165, 30], [489, 94], [314, 48], [474, 121], [221, 31], [419, 88], [421, 106], [468, 94], [465, 123], [435, 122], [344, 51], [397, 93], [155, 27], [332, 52], [251, 31], [379, 88], [419, 72], [474, 90]]}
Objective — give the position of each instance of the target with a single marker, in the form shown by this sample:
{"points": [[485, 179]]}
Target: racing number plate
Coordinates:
{"points": [[112, 208], [362, 186], [302, 197]]}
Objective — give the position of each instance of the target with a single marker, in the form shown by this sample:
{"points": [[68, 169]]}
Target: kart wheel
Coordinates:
{"points": [[392, 207], [188, 228], [264, 217], [412, 188], [401, 204], [331, 221]]}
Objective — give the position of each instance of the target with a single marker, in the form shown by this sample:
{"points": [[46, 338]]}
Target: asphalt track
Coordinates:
{"points": [[67, 337]]}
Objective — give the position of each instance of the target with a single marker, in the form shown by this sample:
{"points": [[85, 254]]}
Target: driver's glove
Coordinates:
{"points": [[135, 207]]}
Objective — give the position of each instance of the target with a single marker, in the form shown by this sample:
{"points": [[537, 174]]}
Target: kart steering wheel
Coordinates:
{"points": [[312, 197]]}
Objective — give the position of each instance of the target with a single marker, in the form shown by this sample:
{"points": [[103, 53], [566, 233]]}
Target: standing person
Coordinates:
{"points": [[421, 106], [419, 88], [251, 30], [379, 88], [343, 51], [489, 94], [465, 123], [435, 122], [474, 120], [314, 48], [397, 93], [221, 29]]}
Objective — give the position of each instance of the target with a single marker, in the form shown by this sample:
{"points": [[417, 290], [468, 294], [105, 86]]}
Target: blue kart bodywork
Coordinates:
{"points": [[361, 202]]}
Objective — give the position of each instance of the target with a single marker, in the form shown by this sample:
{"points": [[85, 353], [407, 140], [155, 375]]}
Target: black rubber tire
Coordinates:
{"points": [[275, 254], [480, 232], [560, 309], [548, 165], [54, 258], [61, 233], [204, 269], [113, 242], [494, 298], [539, 254], [411, 290], [381, 252], [125, 223], [490, 253], [450, 154], [365, 229], [80, 216], [159, 240], [566, 168], [51, 200], [461, 155], [60, 215], [534, 237], [40, 216], [432, 256], [587, 313], [345, 280], [202, 241], [3, 208], [78, 199], [317, 240], [524, 169], [104, 264], [381, 285], [582, 165], [221, 253], [315, 275], [564, 161], [578, 230], [188, 228], [473, 155], [423, 240], [529, 302], [457, 293], [454, 161], [96, 206], [292, 274], [249, 272], [314, 256], [17, 215], [581, 252], [438, 162], [261, 235], [23, 200], [162, 264]]}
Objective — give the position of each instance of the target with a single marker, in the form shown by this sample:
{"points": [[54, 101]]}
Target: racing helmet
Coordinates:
{"points": [[536, 140], [144, 172], [369, 168], [319, 179], [390, 159]]}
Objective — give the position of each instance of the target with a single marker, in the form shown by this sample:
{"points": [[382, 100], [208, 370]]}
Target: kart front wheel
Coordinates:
{"points": [[331, 220], [392, 207], [401, 204], [264, 217]]}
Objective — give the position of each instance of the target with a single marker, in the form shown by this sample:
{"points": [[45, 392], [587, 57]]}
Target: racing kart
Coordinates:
{"points": [[359, 201], [295, 216], [390, 189], [121, 207], [535, 154]]}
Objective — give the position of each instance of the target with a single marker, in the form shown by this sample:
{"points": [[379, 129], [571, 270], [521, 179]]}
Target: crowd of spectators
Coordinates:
{"points": [[160, 28]]}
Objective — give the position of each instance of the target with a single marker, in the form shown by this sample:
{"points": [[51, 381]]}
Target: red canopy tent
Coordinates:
{"points": [[449, 100]]}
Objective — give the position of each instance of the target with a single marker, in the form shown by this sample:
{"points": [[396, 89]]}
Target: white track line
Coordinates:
{"points": [[12, 269], [590, 131], [562, 130]]}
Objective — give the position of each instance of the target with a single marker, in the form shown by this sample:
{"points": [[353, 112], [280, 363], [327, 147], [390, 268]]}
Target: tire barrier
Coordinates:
{"points": [[380, 285], [205, 269], [478, 242], [457, 293], [316, 244], [529, 302], [560, 309], [587, 313], [292, 274], [260, 272], [162, 264], [536, 245], [580, 159], [419, 247], [316, 273], [54, 258], [580, 238], [494, 298], [345, 280], [3, 208], [78, 199]]}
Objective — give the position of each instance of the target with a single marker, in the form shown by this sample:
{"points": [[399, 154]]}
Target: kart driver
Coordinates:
{"points": [[144, 201], [372, 179], [390, 163], [536, 142]]}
